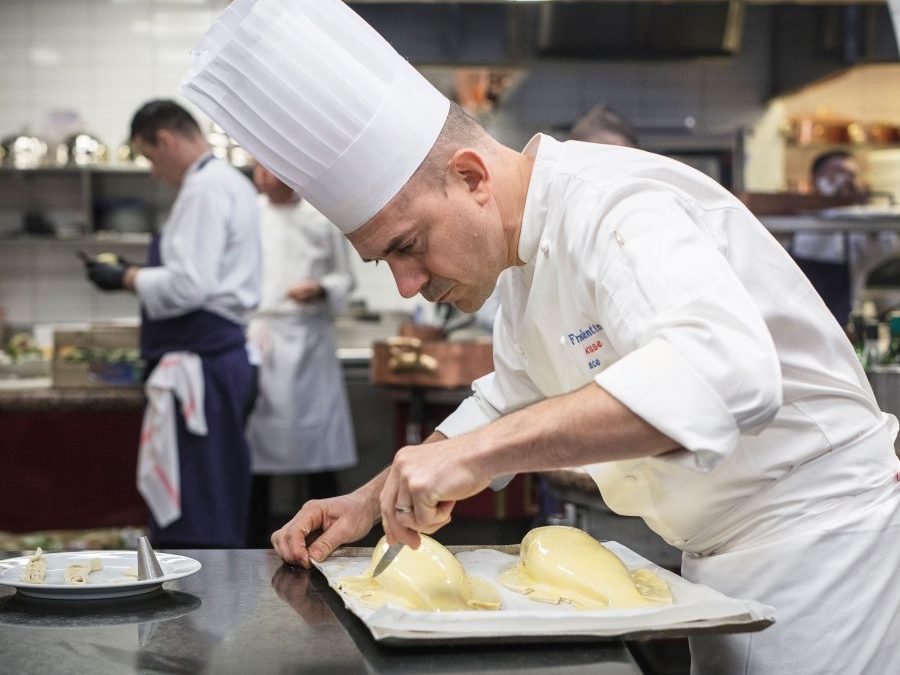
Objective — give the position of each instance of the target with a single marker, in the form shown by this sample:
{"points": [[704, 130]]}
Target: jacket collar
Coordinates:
{"points": [[546, 152]]}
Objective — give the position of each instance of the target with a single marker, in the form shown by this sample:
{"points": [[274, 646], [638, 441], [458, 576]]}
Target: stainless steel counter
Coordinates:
{"points": [[46, 398], [245, 612]]}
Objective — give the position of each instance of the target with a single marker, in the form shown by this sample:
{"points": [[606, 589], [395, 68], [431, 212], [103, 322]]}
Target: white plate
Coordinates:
{"points": [[99, 584]]}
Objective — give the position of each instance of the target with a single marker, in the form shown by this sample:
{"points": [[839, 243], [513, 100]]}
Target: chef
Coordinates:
{"points": [[201, 280], [838, 264], [301, 422], [650, 329]]}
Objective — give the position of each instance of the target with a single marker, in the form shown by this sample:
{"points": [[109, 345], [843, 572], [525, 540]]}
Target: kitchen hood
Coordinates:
{"points": [[643, 29], [481, 33], [516, 32]]}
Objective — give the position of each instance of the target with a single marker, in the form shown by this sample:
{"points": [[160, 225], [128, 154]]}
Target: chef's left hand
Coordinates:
{"points": [[306, 291], [429, 479], [106, 276]]}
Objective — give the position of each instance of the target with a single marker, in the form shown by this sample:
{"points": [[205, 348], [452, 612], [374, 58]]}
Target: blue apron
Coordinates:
{"points": [[215, 469]]}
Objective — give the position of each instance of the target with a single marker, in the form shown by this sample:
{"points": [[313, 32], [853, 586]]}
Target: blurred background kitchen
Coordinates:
{"points": [[747, 92]]}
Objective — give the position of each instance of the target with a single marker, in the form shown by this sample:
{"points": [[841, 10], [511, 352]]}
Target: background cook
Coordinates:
{"points": [[196, 291], [301, 422]]}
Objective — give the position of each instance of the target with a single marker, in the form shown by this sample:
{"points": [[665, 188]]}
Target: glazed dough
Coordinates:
{"points": [[36, 569], [564, 564], [79, 573], [429, 579]]}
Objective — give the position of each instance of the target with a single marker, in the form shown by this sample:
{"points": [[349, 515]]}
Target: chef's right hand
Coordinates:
{"points": [[339, 520]]}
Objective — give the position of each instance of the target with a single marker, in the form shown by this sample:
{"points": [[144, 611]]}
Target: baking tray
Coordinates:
{"points": [[698, 610]]}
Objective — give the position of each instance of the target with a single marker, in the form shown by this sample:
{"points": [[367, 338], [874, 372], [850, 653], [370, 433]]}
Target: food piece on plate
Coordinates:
{"points": [[130, 575], [78, 573], [564, 564], [428, 579], [36, 569]]}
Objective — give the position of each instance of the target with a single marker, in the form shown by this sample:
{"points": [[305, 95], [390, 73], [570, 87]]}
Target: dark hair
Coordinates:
{"points": [[600, 121], [162, 114], [821, 160]]}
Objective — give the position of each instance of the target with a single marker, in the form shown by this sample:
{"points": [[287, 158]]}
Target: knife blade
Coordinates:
{"points": [[387, 558]]}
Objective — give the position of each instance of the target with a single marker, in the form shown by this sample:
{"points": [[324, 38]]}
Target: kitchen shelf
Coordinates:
{"points": [[100, 168], [90, 168], [814, 223], [75, 201], [101, 237], [849, 147]]}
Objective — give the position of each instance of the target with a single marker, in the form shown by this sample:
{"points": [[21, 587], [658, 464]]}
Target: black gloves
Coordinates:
{"points": [[107, 276], [121, 261], [106, 270]]}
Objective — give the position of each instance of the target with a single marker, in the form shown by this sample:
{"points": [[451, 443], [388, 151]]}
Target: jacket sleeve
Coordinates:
{"points": [[194, 244], [506, 389], [705, 369]]}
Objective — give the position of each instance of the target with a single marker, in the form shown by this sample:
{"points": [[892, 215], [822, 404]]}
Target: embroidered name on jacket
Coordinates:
{"points": [[591, 341]]}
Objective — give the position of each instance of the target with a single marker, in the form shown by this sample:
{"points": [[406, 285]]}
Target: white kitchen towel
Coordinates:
{"points": [[179, 375]]}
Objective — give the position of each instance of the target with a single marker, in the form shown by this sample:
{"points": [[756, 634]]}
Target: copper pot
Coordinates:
{"points": [[882, 133], [423, 332], [810, 130]]}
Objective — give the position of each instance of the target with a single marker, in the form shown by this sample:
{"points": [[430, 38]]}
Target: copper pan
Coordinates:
{"points": [[812, 130]]}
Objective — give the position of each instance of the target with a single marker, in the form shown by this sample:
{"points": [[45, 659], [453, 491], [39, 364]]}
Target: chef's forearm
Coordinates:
{"points": [[583, 427], [372, 490]]}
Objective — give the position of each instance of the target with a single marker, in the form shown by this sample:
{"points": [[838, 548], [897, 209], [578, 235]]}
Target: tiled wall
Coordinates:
{"points": [[91, 63], [44, 281], [96, 60]]}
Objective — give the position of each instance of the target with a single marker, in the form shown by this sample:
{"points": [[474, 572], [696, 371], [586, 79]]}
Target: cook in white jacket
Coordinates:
{"points": [[196, 292], [838, 264], [301, 423], [650, 329]]}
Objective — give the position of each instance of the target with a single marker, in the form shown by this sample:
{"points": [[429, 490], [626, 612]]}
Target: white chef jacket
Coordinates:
{"points": [[650, 279], [300, 243], [209, 246], [301, 422]]}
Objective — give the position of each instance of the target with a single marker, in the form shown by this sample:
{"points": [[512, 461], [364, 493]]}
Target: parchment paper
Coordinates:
{"points": [[695, 607]]}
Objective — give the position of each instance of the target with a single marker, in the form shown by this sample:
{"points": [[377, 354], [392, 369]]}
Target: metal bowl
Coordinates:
{"points": [[222, 146], [128, 154], [82, 149], [22, 151]]}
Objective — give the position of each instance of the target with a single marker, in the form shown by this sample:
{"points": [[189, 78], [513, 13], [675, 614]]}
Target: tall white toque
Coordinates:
{"points": [[320, 99]]}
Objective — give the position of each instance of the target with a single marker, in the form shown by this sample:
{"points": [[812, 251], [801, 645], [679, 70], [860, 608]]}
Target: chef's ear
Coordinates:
{"points": [[165, 139], [469, 167]]}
